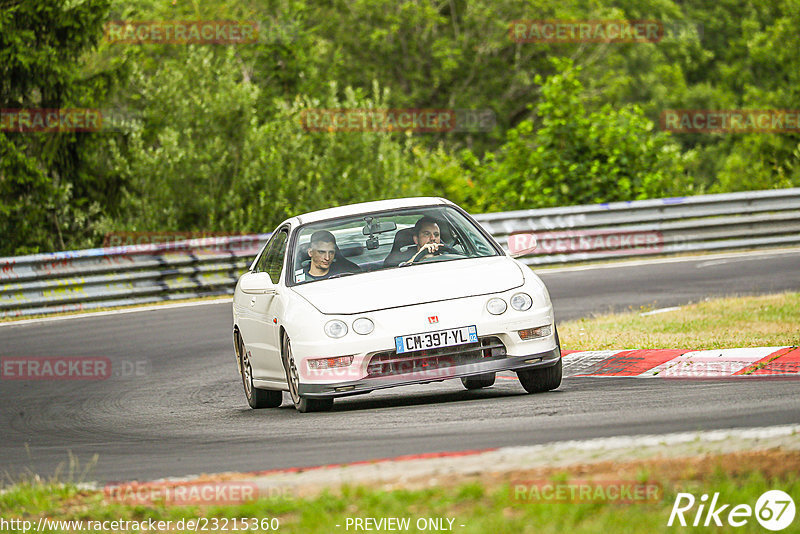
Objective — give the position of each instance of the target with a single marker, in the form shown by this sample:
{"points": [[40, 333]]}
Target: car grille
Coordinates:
{"points": [[390, 363]]}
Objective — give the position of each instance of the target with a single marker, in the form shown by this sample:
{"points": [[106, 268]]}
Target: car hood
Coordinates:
{"points": [[416, 284]]}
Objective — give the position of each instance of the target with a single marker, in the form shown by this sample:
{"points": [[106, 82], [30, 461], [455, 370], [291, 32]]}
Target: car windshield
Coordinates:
{"points": [[385, 240]]}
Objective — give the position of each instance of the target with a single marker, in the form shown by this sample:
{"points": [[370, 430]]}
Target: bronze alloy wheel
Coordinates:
{"points": [[256, 397], [303, 404]]}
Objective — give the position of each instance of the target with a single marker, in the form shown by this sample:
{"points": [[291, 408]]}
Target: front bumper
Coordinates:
{"points": [[489, 365]]}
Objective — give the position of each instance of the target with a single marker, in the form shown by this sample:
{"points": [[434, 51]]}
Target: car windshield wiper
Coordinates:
{"points": [[339, 275]]}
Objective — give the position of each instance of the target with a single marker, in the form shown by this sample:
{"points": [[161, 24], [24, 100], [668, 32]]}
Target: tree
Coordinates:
{"points": [[571, 156], [43, 193]]}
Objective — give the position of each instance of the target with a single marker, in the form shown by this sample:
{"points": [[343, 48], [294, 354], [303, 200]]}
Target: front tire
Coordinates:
{"points": [[302, 404], [257, 398], [478, 381], [541, 380]]}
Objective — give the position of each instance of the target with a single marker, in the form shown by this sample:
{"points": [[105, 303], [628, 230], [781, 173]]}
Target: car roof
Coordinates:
{"points": [[365, 207]]}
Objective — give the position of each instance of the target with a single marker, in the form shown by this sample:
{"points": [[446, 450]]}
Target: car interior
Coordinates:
{"points": [[355, 254]]}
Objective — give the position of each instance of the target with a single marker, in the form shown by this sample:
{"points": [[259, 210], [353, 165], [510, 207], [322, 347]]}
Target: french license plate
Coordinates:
{"points": [[432, 340]]}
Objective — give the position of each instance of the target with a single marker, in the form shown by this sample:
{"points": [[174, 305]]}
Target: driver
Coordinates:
{"points": [[428, 239]]}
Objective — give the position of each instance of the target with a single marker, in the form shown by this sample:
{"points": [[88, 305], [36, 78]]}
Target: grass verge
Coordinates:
{"points": [[477, 506], [762, 321]]}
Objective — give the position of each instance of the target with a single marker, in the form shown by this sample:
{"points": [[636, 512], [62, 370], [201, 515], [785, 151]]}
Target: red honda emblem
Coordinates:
{"points": [[433, 319]]}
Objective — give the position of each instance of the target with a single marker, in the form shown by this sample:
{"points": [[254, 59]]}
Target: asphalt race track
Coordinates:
{"points": [[174, 403]]}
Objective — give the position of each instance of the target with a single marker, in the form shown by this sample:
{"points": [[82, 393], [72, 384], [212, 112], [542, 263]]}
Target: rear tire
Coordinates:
{"points": [[541, 380], [478, 381], [302, 404], [256, 397]]}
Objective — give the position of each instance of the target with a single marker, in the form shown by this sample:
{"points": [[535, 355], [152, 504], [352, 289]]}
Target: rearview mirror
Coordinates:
{"points": [[256, 284], [379, 227]]}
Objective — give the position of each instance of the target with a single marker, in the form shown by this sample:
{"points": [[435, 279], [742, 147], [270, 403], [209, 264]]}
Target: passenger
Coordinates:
{"points": [[322, 251]]}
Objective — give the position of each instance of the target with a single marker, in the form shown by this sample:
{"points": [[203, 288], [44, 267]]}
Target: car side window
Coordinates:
{"points": [[273, 256], [261, 264]]}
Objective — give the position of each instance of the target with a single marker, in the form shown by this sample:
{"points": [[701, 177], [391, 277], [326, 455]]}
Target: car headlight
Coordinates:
{"points": [[521, 301], [496, 306], [363, 326], [335, 328]]}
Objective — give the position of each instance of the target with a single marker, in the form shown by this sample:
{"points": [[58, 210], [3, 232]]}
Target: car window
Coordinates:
{"points": [[377, 241], [261, 263], [273, 263], [271, 259]]}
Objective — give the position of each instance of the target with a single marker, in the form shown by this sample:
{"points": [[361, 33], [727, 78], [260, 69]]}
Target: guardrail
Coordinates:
{"points": [[752, 219], [114, 276], [123, 275]]}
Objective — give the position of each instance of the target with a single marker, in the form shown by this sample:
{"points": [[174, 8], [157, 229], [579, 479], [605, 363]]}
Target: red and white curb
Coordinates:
{"points": [[679, 363]]}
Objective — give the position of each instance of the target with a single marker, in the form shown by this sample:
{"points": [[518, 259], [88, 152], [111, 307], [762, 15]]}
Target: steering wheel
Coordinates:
{"points": [[443, 256]]}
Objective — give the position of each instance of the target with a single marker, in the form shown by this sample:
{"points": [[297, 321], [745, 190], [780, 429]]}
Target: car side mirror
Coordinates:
{"points": [[256, 284], [521, 244]]}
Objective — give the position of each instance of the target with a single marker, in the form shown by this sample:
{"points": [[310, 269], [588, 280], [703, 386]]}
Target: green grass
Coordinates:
{"points": [[479, 509], [763, 321]]}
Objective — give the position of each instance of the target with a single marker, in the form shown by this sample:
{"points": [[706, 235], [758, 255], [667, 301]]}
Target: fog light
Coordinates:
{"points": [[330, 363], [533, 333]]}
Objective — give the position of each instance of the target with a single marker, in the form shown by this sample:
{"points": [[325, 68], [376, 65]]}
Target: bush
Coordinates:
{"points": [[567, 155]]}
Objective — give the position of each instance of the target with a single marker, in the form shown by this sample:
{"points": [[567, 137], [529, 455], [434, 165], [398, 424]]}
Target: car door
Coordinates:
{"points": [[260, 313]]}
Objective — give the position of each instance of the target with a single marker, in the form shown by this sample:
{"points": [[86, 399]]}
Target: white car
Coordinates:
{"points": [[388, 293]]}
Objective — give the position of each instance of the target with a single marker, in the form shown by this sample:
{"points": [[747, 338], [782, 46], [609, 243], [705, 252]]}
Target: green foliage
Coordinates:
{"points": [[45, 196], [214, 142], [204, 156], [570, 155], [292, 170]]}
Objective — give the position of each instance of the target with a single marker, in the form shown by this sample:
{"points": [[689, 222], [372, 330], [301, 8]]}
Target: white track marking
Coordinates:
{"points": [[634, 263], [91, 315], [660, 310]]}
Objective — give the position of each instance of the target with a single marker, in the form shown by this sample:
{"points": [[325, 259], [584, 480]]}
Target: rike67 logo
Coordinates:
{"points": [[774, 510]]}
